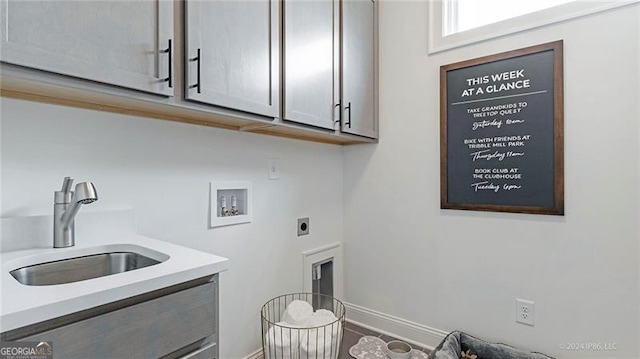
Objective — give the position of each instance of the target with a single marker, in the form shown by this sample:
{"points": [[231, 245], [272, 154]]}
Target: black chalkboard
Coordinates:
{"points": [[501, 132]]}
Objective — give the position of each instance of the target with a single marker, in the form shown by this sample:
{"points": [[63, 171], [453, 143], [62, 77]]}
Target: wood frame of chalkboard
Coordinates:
{"points": [[502, 132]]}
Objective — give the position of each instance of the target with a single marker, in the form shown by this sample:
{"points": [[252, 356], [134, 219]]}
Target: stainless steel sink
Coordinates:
{"points": [[81, 268]]}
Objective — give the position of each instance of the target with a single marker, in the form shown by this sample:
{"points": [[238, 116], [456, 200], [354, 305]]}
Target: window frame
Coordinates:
{"points": [[437, 42]]}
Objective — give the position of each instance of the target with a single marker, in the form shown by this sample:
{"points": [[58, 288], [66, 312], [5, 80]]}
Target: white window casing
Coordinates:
{"points": [[443, 20]]}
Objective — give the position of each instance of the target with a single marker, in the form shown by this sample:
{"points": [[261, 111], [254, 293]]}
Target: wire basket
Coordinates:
{"points": [[285, 341]]}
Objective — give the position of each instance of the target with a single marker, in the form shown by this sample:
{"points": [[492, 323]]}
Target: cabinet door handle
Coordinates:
{"points": [[339, 106], [169, 51], [348, 107], [198, 59]]}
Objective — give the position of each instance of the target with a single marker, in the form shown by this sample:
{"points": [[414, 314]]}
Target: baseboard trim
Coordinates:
{"points": [[403, 329], [411, 332], [255, 355]]}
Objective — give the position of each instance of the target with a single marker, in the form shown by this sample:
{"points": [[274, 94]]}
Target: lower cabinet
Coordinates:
{"points": [[182, 324]]}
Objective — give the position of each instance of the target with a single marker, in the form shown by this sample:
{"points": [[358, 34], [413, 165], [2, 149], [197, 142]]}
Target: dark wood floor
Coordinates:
{"points": [[353, 333]]}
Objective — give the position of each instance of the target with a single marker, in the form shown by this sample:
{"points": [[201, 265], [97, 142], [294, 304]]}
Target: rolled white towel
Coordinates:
{"points": [[321, 342], [321, 317], [297, 313], [282, 342]]}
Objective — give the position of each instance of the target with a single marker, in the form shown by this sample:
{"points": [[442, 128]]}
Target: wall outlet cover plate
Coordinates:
{"points": [[274, 169], [303, 226], [525, 312]]}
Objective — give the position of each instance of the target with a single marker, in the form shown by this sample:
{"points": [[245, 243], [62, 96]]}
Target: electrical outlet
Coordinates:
{"points": [[303, 226], [525, 312]]}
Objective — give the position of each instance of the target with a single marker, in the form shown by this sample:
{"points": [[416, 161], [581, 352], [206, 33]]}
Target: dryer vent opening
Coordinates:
{"points": [[322, 272], [322, 282]]}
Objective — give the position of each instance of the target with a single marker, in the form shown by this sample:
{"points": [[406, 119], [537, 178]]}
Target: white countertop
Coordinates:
{"points": [[22, 305]]}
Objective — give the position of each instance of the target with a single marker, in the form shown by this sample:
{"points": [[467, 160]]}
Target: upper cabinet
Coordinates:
{"points": [[232, 54], [122, 43], [330, 60], [358, 70], [311, 31], [304, 69]]}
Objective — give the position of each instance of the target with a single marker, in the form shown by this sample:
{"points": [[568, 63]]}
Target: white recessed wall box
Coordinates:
{"points": [[230, 203]]}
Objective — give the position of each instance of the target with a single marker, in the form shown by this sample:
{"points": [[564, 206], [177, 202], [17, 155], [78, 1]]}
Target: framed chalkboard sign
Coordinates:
{"points": [[501, 132]]}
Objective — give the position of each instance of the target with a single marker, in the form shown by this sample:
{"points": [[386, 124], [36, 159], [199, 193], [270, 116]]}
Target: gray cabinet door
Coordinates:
{"points": [[151, 329], [232, 50], [359, 63], [114, 42], [310, 62]]}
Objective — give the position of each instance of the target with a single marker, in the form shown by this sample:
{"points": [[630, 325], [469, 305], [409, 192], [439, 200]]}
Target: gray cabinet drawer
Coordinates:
{"points": [[207, 352], [149, 329]]}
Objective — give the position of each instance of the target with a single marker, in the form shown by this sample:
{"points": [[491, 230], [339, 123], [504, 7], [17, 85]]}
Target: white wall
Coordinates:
{"points": [[446, 269], [162, 170], [404, 256]]}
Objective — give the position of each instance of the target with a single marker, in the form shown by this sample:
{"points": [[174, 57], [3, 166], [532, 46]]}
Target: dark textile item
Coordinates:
{"points": [[458, 345]]}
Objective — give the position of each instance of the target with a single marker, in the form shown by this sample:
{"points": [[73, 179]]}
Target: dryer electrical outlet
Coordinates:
{"points": [[303, 226]]}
